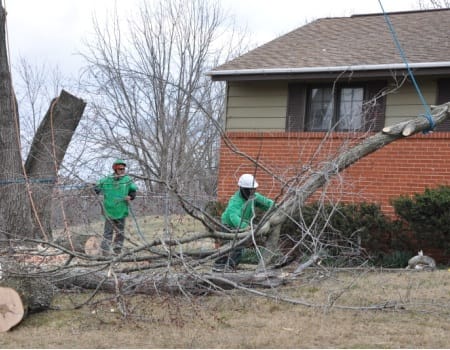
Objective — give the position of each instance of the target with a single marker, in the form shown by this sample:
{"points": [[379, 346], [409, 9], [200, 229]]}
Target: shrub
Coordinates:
{"points": [[394, 259], [427, 215], [350, 234]]}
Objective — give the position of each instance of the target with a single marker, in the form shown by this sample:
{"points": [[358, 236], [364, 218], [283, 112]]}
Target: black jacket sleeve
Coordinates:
{"points": [[97, 189], [132, 194]]}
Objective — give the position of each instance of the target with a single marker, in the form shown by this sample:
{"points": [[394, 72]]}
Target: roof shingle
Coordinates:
{"points": [[352, 41]]}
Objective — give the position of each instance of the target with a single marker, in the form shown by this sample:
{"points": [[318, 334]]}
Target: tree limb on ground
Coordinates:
{"points": [[178, 275]]}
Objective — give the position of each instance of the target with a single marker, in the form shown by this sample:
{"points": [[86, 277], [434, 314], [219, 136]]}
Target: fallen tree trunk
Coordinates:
{"points": [[295, 199], [154, 281], [289, 208], [21, 294], [151, 283]]}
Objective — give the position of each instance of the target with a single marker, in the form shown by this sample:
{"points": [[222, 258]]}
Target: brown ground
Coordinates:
{"points": [[421, 318]]}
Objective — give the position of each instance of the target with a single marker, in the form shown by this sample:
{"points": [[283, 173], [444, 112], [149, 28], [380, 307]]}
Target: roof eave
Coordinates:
{"points": [[376, 70]]}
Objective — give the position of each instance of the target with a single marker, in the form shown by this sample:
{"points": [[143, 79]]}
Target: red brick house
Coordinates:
{"points": [[285, 96]]}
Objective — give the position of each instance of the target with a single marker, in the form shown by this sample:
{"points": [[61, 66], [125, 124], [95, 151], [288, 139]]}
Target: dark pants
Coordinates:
{"points": [[232, 260], [113, 236]]}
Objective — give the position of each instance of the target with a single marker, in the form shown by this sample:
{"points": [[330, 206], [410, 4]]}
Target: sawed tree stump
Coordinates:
{"points": [[21, 295], [84, 243], [11, 308]]}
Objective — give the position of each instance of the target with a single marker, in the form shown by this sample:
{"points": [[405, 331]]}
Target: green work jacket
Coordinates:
{"points": [[114, 191], [239, 211]]}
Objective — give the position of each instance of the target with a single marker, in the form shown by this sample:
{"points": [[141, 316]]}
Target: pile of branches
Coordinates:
{"points": [[165, 265]]}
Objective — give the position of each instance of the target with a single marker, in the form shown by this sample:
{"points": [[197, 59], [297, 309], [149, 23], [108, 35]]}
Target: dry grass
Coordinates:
{"points": [[149, 228], [417, 316], [421, 318]]}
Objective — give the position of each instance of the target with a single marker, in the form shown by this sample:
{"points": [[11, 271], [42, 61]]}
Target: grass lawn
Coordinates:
{"points": [[420, 319]]}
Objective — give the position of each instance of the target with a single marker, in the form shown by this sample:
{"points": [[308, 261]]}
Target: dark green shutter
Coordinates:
{"points": [[295, 118], [375, 110], [443, 96]]}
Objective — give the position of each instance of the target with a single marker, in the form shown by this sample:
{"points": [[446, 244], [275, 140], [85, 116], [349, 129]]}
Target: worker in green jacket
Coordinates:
{"points": [[238, 214], [118, 190]]}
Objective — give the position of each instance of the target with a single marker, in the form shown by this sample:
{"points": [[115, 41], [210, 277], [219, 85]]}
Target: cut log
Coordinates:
{"points": [[85, 244], [92, 246], [395, 129], [20, 296], [11, 308], [36, 293]]}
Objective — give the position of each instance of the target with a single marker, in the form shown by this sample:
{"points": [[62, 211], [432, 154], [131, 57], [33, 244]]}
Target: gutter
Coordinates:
{"points": [[368, 67]]}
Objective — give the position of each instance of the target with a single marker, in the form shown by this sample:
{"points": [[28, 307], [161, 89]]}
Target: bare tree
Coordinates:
{"points": [[433, 4], [18, 210], [148, 84], [34, 87]]}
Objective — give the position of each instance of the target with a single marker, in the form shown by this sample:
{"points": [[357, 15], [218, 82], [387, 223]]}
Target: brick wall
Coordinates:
{"points": [[403, 167]]}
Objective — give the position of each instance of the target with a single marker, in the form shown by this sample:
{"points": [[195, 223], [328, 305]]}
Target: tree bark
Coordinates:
{"points": [[15, 218], [26, 191], [47, 153], [151, 283], [20, 294]]}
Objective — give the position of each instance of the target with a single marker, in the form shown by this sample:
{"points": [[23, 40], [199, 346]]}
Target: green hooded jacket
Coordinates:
{"points": [[239, 211], [114, 191]]}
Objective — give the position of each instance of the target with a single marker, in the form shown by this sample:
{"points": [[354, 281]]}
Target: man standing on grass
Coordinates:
{"points": [[118, 190]]}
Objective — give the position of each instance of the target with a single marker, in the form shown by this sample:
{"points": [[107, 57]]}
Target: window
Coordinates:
{"points": [[336, 107], [351, 109], [341, 109], [320, 109]]}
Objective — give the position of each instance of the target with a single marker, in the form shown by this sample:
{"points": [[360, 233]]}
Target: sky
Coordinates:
{"points": [[51, 32]]}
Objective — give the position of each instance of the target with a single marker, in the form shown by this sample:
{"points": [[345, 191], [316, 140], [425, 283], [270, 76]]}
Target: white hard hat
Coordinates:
{"points": [[247, 181]]}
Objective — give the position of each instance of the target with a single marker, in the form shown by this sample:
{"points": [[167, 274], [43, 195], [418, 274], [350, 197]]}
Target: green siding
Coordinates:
{"points": [[406, 104], [256, 102], [261, 106], [252, 112], [256, 106]]}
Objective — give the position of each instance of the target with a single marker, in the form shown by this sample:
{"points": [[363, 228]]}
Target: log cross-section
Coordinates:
{"points": [[11, 308]]}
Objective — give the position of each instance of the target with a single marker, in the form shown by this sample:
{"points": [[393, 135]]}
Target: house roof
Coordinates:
{"points": [[356, 43]]}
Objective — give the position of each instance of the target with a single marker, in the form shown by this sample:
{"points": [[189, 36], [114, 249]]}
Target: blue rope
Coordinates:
{"points": [[50, 180], [137, 225], [411, 75]]}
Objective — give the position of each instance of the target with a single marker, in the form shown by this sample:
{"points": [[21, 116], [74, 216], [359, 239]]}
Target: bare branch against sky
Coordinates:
{"points": [[52, 31]]}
